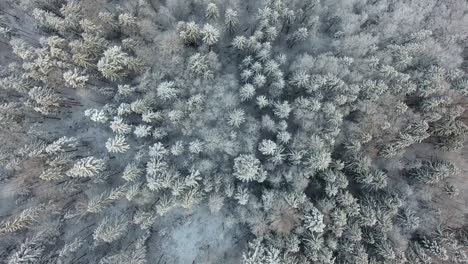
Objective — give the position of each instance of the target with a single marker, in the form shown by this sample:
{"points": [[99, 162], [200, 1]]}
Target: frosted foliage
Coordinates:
{"points": [[199, 66], [216, 131], [23, 220], [126, 89], [282, 110], [236, 117], [119, 127], [178, 148], [239, 42], [320, 160], [74, 79], [210, 35], [247, 92], [127, 20], [262, 102], [45, 99], [248, 168], [110, 229], [131, 173], [189, 32], [142, 131], [61, 145], [166, 90], [267, 147], [87, 167], [314, 221], [242, 196], [215, 203], [118, 144], [157, 150], [231, 19], [115, 63], [212, 11], [96, 115]]}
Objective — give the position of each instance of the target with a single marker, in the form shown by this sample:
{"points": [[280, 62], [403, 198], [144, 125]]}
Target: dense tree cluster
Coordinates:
{"points": [[320, 128]]}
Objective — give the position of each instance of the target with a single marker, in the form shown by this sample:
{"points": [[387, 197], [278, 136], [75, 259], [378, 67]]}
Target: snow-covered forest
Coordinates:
{"points": [[233, 131]]}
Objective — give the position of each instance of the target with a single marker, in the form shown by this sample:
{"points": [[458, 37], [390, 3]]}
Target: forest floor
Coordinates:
{"points": [[198, 238]]}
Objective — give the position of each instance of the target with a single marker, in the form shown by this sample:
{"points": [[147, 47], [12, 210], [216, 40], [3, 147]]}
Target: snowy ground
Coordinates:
{"points": [[197, 238]]}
